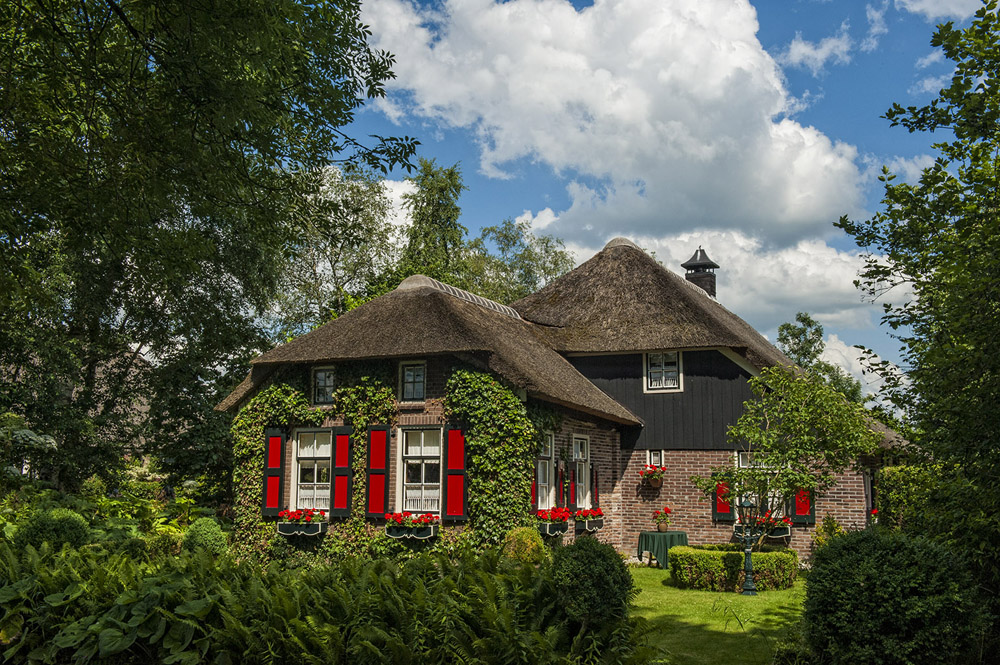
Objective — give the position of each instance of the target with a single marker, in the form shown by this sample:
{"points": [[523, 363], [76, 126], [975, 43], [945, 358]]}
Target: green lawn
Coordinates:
{"points": [[696, 627]]}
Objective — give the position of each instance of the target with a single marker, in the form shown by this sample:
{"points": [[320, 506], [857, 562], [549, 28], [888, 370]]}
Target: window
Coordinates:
{"points": [[412, 380], [324, 383], [655, 457], [422, 471], [581, 466], [663, 371], [312, 470], [545, 470]]}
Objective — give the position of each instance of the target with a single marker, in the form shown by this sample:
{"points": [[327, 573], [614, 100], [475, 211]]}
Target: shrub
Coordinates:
{"points": [[828, 529], [720, 568], [593, 584], [904, 492], [881, 596], [525, 545], [57, 526], [164, 544], [205, 534]]}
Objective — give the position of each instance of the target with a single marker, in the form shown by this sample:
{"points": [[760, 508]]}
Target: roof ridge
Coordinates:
{"points": [[423, 281]]}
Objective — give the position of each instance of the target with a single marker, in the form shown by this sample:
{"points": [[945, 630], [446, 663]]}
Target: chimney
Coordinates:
{"points": [[701, 271]]}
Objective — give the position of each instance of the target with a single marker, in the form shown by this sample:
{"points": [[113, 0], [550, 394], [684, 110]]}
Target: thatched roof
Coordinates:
{"points": [[423, 317], [622, 300]]}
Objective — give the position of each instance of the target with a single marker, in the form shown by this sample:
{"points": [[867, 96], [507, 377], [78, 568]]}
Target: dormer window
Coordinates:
{"points": [[324, 383], [413, 377], [663, 371]]}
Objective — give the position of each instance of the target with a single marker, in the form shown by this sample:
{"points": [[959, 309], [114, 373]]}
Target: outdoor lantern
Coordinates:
{"points": [[750, 532]]}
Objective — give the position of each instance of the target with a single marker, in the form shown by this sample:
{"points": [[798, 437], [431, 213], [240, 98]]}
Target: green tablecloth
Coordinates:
{"points": [[658, 543]]}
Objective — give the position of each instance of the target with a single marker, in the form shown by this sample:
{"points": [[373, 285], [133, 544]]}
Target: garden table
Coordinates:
{"points": [[658, 543]]}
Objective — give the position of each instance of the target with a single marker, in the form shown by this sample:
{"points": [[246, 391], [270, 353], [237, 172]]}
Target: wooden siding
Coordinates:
{"points": [[694, 419]]}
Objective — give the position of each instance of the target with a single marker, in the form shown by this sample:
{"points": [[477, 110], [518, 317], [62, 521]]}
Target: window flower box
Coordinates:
{"points": [[407, 525], [553, 529], [303, 529], [553, 522], [589, 520], [592, 526]]}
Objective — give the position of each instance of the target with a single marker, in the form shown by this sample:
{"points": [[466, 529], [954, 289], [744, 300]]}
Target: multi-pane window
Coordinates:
{"points": [[324, 383], [581, 459], [312, 463], [422, 471], [413, 380], [656, 457], [663, 371], [545, 470]]}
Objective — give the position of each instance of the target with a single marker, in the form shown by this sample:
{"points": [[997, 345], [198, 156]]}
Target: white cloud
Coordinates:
{"points": [[930, 84], [849, 358], [815, 55], [662, 116], [931, 58], [910, 169], [936, 9], [395, 189], [876, 25]]}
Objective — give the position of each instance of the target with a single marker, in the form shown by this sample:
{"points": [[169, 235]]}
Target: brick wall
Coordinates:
{"points": [[604, 453]]}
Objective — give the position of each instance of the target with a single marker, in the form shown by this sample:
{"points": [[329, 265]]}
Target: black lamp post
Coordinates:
{"points": [[750, 533]]}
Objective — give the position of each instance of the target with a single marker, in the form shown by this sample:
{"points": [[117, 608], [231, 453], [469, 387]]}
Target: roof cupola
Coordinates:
{"points": [[701, 271]]}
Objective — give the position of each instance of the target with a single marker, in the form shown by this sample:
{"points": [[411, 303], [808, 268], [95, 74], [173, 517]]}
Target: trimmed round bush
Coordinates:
{"points": [[205, 534], [880, 596], [525, 545], [594, 586], [57, 526]]}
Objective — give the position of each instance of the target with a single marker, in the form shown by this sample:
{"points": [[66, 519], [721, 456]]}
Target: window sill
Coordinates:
{"points": [[412, 404]]}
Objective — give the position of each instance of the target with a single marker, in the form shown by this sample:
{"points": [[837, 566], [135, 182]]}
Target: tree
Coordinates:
{"points": [[799, 434], [804, 344], [159, 159], [939, 238]]}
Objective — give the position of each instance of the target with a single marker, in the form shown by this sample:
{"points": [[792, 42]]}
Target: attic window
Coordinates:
{"points": [[412, 377], [324, 383], [663, 371]]}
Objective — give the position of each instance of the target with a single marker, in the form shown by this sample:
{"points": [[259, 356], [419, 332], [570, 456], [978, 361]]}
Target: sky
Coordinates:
{"points": [[746, 128]]}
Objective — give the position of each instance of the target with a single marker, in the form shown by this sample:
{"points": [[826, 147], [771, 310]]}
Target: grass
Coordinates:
{"points": [[704, 627]]}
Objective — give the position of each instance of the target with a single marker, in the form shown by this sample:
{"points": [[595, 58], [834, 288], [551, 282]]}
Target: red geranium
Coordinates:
{"points": [[652, 471], [588, 514], [307, 515], [557, 515], [408, 519], [662, 515]]}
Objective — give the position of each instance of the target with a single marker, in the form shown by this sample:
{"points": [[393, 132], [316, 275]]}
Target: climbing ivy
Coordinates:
{"points": [[501, 443]]}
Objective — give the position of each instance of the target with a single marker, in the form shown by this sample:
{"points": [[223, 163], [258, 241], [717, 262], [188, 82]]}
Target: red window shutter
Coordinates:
{"points": [[804, 510], [454, 483], [377, 499], [534, 489], [560, 486], [274, 471], [341, 481], [571, 505], [722, 505]]}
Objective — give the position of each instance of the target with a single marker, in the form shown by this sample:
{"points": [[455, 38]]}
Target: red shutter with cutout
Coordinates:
{"points": [[722, 505], [561, 486], [274, 471], [454, 483], [534, 489], [804, 511], [571, 505], [341, 478], [377, 493]]}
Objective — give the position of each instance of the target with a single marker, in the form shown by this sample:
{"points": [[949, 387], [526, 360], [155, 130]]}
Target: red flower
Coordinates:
{"points": [[874, 512]]}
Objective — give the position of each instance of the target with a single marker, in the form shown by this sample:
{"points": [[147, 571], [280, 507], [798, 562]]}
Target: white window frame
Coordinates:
{"points": [[402, 380], [293, 495], [645, 373], [402, 457], [650, 454], [582, 479], [314, 385], [546, 457]]}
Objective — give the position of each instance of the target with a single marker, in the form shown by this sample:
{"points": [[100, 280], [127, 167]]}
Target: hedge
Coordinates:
{"points": [[719, 569]]}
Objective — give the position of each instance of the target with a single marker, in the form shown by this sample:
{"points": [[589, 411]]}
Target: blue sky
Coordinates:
{"points": [[747, 128]]}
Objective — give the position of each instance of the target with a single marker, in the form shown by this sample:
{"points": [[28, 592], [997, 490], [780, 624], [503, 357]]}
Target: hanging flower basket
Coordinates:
{"points": [[407, 525], [553, 529], [652, 475], [303, 528]]}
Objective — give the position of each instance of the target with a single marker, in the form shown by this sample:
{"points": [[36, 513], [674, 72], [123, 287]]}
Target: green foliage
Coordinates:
{"points": [[525, 545], [20, 447], [801, 434], [62, 606], [58, 527], [904, 494], [593, 584], [501, 444], [804, 344], [828, 529], [205, 534], [938, 239], [881, 596], [721, 568]]}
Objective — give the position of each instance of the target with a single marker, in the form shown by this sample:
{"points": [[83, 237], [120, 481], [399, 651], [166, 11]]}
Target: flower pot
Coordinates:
{"points": [[302, 528], [583, 526], [654, 482], [553, 529], [662, 527]]}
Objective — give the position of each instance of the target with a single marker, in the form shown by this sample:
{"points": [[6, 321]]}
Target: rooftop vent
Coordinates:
{"points": [[418, 281]]}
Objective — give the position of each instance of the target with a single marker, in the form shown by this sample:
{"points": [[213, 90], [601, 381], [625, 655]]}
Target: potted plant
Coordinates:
{"points": [[553, 522], [303, 522], [589, 520], [661, 518], [652, 475], [408, 525]]}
